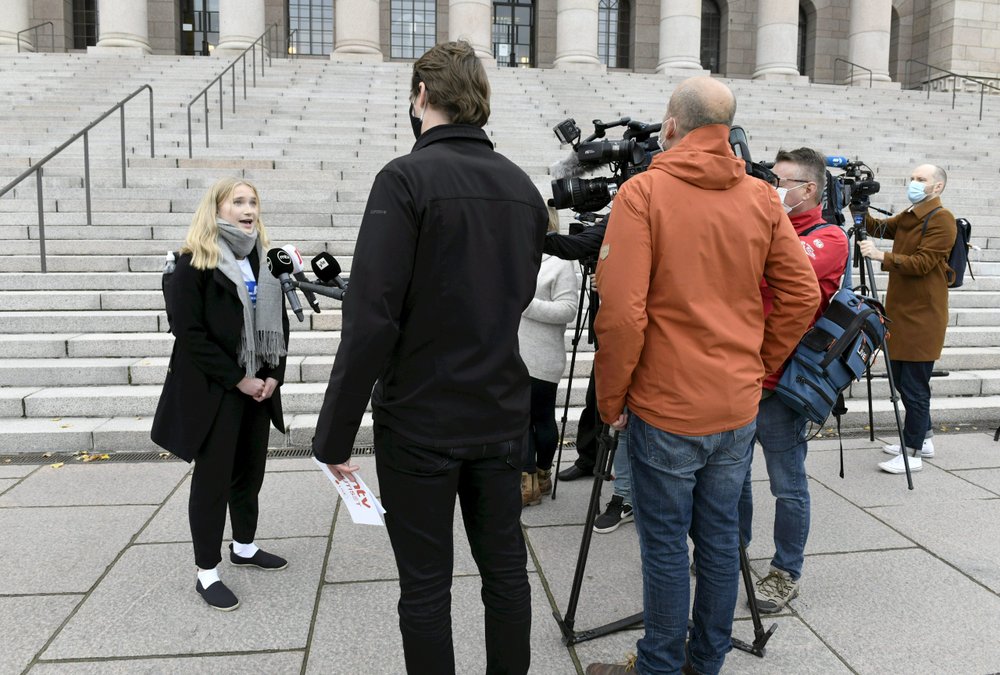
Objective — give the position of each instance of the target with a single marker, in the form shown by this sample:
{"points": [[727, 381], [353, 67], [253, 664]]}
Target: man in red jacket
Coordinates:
{"points": [[780, 430]]}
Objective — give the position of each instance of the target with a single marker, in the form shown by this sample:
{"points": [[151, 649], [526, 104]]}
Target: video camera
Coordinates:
{"points": [[626, 157]]}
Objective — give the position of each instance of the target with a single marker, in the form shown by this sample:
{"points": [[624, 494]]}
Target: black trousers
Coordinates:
{"points": [[913, 381], [543, 433], [228, 471], [587, 430], [418, 488]]}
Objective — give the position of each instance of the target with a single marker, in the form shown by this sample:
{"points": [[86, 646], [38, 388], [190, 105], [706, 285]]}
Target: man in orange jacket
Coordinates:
{"points": [[684, 349]]}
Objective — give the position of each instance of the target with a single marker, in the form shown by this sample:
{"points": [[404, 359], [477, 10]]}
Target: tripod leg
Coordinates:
{"points": [[760, 635], [577, 334]]}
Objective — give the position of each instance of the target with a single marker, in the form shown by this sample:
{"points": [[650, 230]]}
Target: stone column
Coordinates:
{"points": [[356, 31], [680, 36], [576, 35], [240, 23], [777, 39], [16, 17], [868, 41], [472, 21], [123, 27]]}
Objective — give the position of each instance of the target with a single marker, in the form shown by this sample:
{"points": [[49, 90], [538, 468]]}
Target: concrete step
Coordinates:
{"points": [[131, 434]]}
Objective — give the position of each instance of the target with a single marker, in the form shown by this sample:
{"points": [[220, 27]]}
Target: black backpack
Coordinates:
{"points": [[958, 259]]}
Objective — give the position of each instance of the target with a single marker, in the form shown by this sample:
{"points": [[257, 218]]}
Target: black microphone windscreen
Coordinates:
{"points": [[279, 262], [325, 267]]}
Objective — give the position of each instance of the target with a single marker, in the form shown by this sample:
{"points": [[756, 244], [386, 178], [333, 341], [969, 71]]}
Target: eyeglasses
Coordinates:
{"points": [[797, 180]]}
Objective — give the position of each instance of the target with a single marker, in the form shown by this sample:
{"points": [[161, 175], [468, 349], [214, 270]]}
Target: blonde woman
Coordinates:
{"points": [[221, 391], [542, 340]]}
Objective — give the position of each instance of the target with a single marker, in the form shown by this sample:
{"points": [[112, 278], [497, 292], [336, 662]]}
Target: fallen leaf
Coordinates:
{"points": [[57, 465], [164, 455], [65, 426], [47, 455]]}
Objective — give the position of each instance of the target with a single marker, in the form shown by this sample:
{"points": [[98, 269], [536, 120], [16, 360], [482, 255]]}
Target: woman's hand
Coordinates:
{"points": [[270, 384], [251, 386]]}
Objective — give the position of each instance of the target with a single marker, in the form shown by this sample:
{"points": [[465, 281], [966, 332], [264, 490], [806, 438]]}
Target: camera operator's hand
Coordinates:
{"points": [[620, 423], [868, 250]]}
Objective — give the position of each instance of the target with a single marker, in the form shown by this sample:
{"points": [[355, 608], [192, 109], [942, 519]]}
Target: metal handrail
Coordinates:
{"points": [[288, 44], [983, 85], [853, 65], [52, 35], [231, 68], [37, 167]]}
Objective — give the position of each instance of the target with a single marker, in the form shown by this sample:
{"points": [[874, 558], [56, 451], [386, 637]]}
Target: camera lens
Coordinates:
{"points": [[581, 194]]}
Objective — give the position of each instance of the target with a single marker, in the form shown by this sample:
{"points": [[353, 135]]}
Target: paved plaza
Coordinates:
{"points": [[96, 574]]}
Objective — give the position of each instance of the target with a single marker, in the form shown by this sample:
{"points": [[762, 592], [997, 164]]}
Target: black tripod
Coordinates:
{"points": [[588, 266], [858, 210], [606, 447]]}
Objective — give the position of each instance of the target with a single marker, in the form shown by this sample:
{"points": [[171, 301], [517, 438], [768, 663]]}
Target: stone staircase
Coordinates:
{"points": [[84, 348]]}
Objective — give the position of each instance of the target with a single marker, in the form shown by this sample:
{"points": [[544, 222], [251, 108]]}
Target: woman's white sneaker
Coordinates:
{"points": [[927, 450], [895, 465]]}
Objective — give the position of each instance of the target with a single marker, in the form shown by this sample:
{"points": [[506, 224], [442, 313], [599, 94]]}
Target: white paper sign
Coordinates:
{"points": [[361, 502]]}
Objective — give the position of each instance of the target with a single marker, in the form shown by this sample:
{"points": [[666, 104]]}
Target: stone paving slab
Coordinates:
{"points": [[93, 536], [794, 649], [291, 505], [7, 483], [901, 611], [26, 623], [371, 643], [92, 485], [836, 526], [940, 529], [966, 451], [230, 664], [988, 479], [147, 605], [16, 470], [865, 485]]}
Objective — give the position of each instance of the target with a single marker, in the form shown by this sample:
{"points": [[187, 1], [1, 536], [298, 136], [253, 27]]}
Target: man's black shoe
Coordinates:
{"points": [[218, 596], [574, 472], [261, 559]]}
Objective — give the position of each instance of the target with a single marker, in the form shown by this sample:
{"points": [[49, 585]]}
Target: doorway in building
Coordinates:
{"points": [[199, 26], [513, 33]]}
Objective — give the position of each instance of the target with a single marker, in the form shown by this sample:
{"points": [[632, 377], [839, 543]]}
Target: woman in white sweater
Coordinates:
{"points": [[542, 337]]}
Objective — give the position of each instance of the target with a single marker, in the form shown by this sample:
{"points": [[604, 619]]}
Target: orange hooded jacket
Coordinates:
{"points": [[684, 341]]}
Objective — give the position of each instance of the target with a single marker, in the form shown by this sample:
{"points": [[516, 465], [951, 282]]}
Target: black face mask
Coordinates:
{"points": [[416, 123]]}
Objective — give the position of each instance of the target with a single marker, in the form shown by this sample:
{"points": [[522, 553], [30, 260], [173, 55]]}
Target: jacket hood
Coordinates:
{"points": [[704, 159]]}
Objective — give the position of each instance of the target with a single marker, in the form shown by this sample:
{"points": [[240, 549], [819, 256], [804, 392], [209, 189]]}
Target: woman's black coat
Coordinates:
{"points": [[207, 322]]}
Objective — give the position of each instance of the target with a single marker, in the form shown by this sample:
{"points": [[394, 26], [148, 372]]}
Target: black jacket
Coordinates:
{"points": [[207, 326], [446, 261]]}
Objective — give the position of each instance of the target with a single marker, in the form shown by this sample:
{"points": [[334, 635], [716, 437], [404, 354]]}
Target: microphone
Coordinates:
{"points": [[299, 275], [327, 270], [568, 168], [837, 162], [280, 264]]}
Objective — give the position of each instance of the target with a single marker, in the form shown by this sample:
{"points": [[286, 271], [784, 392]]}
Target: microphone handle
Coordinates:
{"points": [[310, 298], [288, 287], [319, 289]]}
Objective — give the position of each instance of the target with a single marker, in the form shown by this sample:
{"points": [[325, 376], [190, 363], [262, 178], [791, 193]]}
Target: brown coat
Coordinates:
{"points": [[684, 341], [917, 299]]}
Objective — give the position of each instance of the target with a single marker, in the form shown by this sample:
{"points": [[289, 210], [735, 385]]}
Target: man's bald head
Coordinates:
{"points": [[700, 101], [933, 177]]}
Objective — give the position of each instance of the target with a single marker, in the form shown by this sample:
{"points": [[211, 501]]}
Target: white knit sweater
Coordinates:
{"points": [[542, 333]]}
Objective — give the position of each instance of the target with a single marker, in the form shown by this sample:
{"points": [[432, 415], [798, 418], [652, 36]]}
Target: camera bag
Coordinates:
{"points": [[836, 351]]}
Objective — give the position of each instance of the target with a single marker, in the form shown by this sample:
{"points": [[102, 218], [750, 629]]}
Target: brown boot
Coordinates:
{"points": [[545, 481], [530, 496]]}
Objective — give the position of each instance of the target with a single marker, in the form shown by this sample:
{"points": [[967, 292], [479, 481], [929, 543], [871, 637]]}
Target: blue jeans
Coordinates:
{"points": [[620, 466], [682, 485], [913, 381], [782, 435]]}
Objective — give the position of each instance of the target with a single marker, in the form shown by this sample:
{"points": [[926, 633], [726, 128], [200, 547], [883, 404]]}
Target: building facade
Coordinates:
{"points": [[772, 39]]}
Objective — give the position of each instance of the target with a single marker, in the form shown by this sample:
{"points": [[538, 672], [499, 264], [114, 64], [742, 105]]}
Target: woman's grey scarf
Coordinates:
{"points": [[263, 340]]}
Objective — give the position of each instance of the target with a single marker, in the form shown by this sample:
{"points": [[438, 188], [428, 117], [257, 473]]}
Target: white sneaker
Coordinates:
{"points": [[895, 465], [927, 450]]}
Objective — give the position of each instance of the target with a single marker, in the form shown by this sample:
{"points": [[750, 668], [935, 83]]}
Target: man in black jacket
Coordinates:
{"points": [[446, 261]]}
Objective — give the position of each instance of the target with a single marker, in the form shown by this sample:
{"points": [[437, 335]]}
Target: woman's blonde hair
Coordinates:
{"points": [[553, 219], [202, 240]]}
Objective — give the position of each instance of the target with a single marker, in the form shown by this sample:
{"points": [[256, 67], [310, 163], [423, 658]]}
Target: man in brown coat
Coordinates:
{"points": [[916, 301]]}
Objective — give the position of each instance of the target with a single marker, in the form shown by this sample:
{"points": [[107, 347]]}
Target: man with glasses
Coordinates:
{"points": [[780, 430]]}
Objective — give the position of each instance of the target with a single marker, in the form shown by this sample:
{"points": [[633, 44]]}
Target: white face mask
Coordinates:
{"points": [[784, 191]]}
